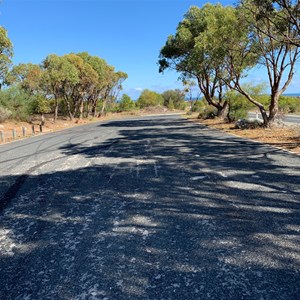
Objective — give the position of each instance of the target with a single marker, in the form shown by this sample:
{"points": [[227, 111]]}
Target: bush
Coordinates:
{"points": [[149, 98], [174, 99], [199, 105], [208, 112], [40, 105], [239, 106], [17, 101], [289, 104], [126, 103], [4, 114], [205, 110]]}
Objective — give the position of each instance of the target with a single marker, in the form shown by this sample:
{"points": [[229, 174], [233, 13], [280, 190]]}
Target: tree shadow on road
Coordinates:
{"points": [[164, 212]]}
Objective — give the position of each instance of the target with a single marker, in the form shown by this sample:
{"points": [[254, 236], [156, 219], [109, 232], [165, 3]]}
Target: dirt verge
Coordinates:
{"points": [[286, 137]]}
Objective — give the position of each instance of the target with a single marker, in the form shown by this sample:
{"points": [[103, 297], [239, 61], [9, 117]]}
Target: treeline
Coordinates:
{"points": [[76, 85], [171, 99], [217, 45]]}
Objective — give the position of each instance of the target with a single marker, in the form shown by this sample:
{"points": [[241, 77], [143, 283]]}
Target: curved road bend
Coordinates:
{"points": [[148, 208]]}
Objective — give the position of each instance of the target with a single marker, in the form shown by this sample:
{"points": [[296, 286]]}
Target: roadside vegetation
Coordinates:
{"points": [[214, 48], [217, 45], [76, 86]]}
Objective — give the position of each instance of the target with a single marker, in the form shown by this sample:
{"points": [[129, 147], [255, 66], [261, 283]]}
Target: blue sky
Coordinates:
{"points": [[128, 34]]}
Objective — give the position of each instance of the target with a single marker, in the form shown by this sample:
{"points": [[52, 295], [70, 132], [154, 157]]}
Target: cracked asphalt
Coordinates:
{"points": [[148, 208]]}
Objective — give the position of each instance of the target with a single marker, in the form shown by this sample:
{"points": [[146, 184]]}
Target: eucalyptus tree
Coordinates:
{"points": [[79, 93], [112, 88], [6, 53], [262, 39], [98, 90], [290, 13], [189, 52], [27, 76], [59, 76]]}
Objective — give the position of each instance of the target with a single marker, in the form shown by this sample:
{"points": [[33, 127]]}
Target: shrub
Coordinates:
{"points": [[288, 104], [4, 114], [208, 112], [17, 101], [40, 105], [239, 106], [174, 99], [126, 103], [149, 98], [199, 105]]}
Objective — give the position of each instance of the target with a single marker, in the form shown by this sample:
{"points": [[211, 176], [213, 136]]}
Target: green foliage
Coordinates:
{"points": [[4, 114], [207, 112], [200, 50], [174, 99], [28, 76], [239, 106], [6, 53], [289, 104], [17, 101], [40, 105], [149, 98], [126, 103], [199, 105]]}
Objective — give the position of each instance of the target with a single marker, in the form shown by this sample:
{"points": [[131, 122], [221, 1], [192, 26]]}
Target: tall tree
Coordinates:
{"points": [[112, 88], [6, 53], [278, 57], [28, 76], [79, 93], [59, 77], [189, 53], [102, 69]]}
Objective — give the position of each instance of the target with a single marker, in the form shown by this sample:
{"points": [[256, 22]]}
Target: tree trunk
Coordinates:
{"points": [[81, 110], [223, 110], [264, 115], [273, 108], [94, 110], [55, 111], [102, 113], [69, 110]]}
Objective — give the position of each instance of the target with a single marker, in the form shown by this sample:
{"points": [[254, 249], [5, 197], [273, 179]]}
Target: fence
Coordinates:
{"points": [[14, 134]]}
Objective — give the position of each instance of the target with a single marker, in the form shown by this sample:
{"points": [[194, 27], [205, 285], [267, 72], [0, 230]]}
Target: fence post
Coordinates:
{"points": [[41, 128], [14, 134], [32, 129], [2, 136], [24, 131]]}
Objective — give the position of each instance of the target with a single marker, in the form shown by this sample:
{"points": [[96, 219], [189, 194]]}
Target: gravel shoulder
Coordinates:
{"points": [[286, 137]]}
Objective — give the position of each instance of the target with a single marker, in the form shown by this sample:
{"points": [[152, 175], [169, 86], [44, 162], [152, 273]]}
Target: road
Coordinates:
{"points": [[287, 118], [148, 208]]}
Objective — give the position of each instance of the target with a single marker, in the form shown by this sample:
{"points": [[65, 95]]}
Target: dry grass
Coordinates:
{"points": [[287, 137]]}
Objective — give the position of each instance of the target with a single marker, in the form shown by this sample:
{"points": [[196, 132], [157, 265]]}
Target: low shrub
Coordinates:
{"points": [[4, 114], [208, 112]]}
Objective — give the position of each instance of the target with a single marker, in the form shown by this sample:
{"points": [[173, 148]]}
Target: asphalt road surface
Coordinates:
{"points": [[287, 118], [148, 208]]}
